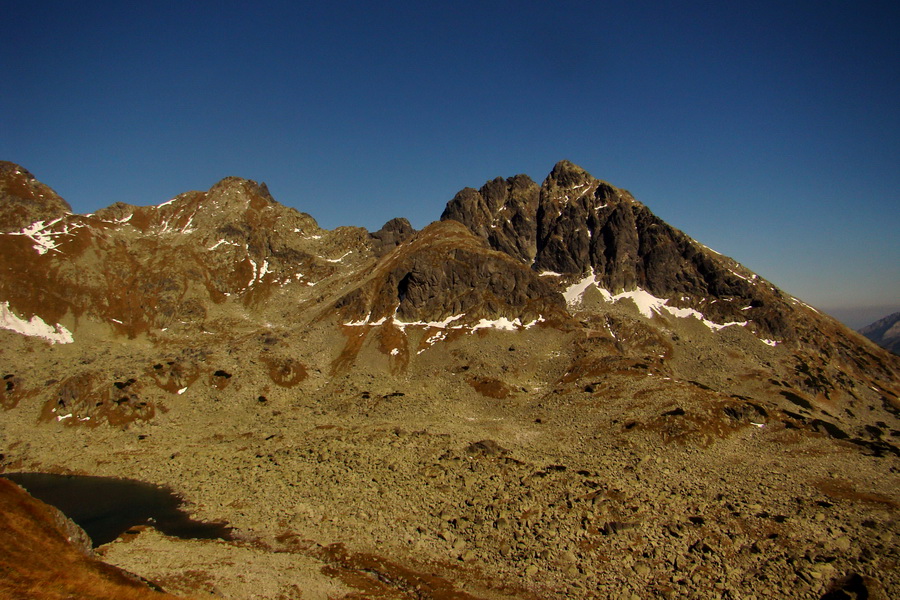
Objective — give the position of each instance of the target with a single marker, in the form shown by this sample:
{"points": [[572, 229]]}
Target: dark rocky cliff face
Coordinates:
{"points": [[575, 225], [503, 211], [446, 271]]}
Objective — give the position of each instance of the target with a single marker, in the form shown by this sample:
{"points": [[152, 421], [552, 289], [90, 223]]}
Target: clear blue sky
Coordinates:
{"points": [[769, 131]]}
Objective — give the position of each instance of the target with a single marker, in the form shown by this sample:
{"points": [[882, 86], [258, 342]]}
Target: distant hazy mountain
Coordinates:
{"points": [[885, 332]]}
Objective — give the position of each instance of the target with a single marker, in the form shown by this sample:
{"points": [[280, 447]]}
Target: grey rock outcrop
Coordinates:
{"points": [[392, 234]]}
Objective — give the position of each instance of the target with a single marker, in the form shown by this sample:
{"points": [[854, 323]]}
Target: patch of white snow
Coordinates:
{"points": [[501, 323], [35, 327], [575, 292], [337, 260], [43, 239]]}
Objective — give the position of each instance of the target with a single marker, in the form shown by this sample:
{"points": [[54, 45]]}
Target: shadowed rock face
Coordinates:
{"points": [[24, 199], [446, 271]]}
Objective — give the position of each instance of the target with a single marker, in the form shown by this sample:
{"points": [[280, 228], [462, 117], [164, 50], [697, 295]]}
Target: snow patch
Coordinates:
{"points": [[549, 274], [35, 327], [505, 324], [223, 241], [366, 321], [252, 264], [39, 233], [337, 260], [438, 324], [187, 228], [802, 303], [647, 304], [501, 323], [575, 292], [182, 390]]}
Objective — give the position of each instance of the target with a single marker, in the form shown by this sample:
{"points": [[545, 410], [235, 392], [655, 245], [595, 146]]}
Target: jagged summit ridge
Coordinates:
{"points": [[572, 230], [503, 211], [147, 268], [227, 202], [576, 226]]}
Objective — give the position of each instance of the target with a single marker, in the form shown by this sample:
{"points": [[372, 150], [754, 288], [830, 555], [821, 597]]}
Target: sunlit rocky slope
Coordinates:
{"points": [[548, 393]]}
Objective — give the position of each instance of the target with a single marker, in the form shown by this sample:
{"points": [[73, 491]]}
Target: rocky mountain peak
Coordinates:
{"points": [[392, 234], [576, 226], [566, 174], [503, 212], [255, 195], [25, 200], [234, 209]]}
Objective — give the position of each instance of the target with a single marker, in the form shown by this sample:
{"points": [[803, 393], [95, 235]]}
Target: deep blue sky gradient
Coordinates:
{"points": [[769, 131]]}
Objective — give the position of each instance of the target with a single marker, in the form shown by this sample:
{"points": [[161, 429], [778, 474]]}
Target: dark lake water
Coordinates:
{"points": [[106, 507]]}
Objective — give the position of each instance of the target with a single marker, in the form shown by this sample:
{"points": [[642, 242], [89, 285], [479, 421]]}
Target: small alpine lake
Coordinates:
{"points": [[107, 507]]}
